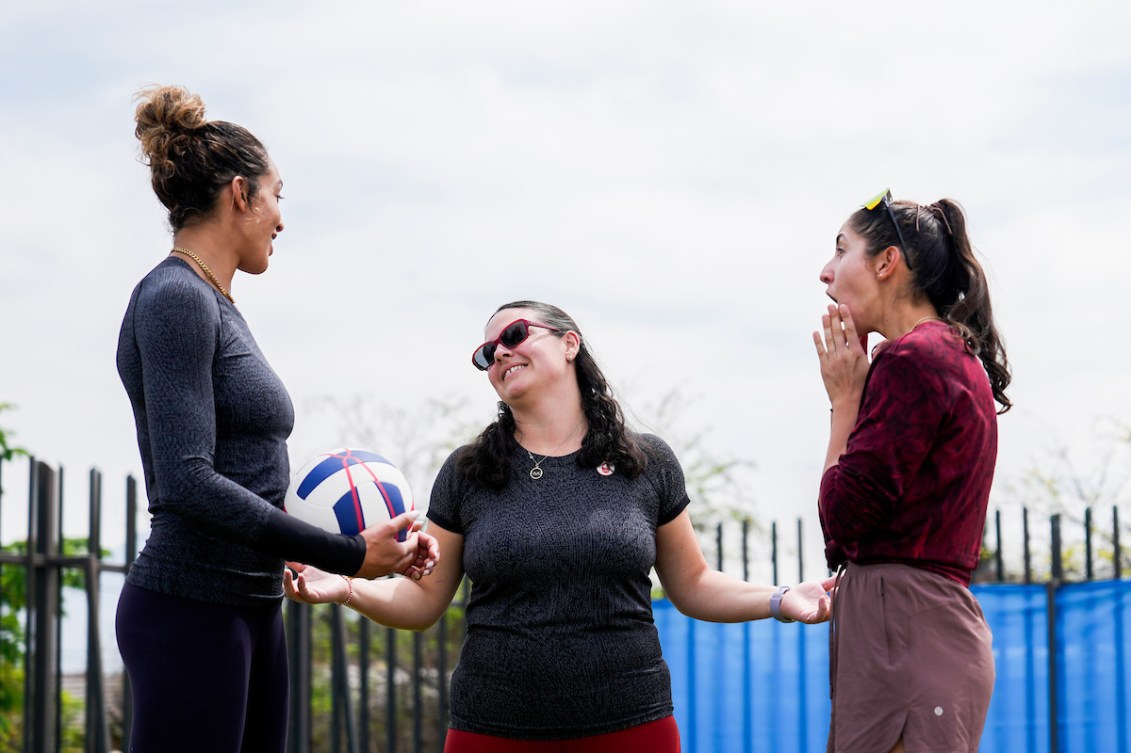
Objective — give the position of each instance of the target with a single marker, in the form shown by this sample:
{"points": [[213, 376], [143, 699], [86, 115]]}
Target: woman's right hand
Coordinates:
{"points": [[384, 555], [844, 360], [308, 584]]}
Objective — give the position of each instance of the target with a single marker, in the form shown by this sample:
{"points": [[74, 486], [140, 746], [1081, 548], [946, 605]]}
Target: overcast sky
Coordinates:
{"points": [[673, 174]]}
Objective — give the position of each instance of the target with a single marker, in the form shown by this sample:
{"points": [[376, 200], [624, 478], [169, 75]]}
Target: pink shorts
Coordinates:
{"points": [[660, 736]]}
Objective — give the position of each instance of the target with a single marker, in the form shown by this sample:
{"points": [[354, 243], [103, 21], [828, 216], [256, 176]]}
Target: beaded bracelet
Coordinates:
{"points": [[349, 598]]}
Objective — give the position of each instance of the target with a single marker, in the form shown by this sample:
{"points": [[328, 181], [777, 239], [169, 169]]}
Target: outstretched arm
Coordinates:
{"points": [[404, 603], [706, 594]]}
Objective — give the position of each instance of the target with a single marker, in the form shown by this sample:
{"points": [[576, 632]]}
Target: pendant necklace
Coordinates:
{"points": [[536, 472]]}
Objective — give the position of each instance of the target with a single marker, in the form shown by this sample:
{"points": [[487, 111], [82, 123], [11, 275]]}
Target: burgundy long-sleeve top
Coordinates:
{"points": [[914, 482]]}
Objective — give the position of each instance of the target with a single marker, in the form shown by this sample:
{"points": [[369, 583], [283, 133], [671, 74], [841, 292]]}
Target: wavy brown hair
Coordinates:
{"points": [[486, 461], [945, 269], [192, 158]]}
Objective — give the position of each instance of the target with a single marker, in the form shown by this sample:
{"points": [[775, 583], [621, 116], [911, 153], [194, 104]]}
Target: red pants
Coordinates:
{"points": [[660, 736]]}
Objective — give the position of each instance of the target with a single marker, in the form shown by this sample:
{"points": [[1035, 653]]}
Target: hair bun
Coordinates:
{"points": [[165, 115]]}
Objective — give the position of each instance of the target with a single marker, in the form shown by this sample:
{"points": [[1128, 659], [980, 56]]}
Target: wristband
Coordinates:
{"points": [[349, 598], [775, 604]]}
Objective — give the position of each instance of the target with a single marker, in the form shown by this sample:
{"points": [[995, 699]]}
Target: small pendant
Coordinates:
{"points": [[535, 473]]}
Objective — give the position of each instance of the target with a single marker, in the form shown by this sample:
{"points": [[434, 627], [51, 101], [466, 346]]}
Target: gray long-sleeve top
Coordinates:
{"points": [[212, 422]]}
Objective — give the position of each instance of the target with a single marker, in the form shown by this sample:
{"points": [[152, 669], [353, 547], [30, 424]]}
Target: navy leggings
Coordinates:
{"points": [[205, 677]]}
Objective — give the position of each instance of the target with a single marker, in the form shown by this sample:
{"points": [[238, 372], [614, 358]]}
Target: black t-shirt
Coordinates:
{"points": [[560, 637]]}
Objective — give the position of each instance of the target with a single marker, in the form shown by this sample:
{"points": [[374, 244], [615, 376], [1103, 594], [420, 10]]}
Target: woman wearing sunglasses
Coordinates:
{"points": [[558, 512], [903, 498]]}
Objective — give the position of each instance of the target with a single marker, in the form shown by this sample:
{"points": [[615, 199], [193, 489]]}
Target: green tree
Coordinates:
{"points": [[13, 602], [7, 449], [11, 650]]}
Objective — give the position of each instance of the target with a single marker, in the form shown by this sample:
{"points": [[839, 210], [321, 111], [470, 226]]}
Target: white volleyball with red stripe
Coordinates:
{"points": [[348, 489]]}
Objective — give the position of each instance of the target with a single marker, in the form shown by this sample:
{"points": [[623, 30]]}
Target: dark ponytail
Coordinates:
{"points": [[945, 269]]}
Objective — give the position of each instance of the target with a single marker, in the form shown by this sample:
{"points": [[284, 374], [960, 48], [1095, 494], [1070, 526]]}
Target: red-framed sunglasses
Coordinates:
{"points": [[512, 335]]}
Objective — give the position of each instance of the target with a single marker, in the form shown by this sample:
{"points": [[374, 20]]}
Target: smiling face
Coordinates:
{"points": [[539, 360], [850, 278], [265, 222]]}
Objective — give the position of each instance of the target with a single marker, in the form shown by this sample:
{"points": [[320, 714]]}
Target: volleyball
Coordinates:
{"points": [[346, 490]]}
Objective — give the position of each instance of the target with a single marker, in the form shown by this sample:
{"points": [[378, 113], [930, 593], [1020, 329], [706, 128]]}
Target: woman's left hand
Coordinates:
{"points": [[809, 602]]}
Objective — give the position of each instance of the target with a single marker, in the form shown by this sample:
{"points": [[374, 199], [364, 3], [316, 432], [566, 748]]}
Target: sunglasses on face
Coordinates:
{"points": [[512, 335], [885, 199]]}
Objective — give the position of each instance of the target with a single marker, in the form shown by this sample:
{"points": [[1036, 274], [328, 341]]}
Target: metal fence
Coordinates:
{"points": [[358, 687]]}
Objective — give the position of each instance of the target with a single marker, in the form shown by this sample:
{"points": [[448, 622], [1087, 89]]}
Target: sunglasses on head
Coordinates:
{"points": [[885, 199], [512, 335]]}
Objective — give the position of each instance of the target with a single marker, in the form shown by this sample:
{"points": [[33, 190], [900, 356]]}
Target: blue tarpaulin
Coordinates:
{"points": [[764, 686]]}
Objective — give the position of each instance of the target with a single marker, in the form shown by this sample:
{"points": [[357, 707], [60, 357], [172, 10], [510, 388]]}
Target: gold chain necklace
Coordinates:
{"points": [[206, 270]]}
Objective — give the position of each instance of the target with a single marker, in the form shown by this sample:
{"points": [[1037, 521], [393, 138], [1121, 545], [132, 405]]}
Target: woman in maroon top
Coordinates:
{"points": [[911, 454]]}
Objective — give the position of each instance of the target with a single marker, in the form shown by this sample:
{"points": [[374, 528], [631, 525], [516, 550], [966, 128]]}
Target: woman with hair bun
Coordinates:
{"points": [[903, 498], [199, 621], [558, 512]]}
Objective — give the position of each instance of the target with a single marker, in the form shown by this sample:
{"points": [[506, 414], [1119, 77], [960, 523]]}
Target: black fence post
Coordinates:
{"points": [[999, 558], [719, 547], [774, 550], [41, 682], [97, 733], [1053, 640], [342, 713], [800, 552], [29, 604], [391, 691], [298, 626], [55, 569], [417, 692], [1117, 554], [365, 635], [745, 549], [1025, 544], [1088, 571], [131, 557], [442, 680]]}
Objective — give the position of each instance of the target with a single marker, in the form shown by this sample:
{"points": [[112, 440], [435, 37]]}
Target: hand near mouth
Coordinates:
{"points": [[843, 355]]}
